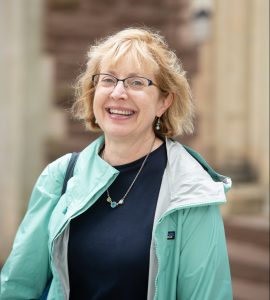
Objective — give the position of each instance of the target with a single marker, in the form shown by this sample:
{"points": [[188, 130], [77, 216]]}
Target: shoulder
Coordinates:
{"points": [[57, 169], [192, 181], [49, 183], [191, 160], [183, 162], [187, 157], [52, 177]]}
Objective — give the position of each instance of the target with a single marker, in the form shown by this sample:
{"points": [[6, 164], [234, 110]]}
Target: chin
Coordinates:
{"points": [[117, 134], [116, 130]]}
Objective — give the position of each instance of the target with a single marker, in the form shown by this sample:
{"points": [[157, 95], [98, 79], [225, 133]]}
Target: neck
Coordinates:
{"points": [[123, 152]]}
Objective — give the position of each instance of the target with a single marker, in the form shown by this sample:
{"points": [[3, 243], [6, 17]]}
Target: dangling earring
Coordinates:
{"points": [[157, 126], [96, 122]]}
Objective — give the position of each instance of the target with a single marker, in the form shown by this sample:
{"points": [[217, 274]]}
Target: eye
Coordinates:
{"points": [[136, 82], [108, 80]]}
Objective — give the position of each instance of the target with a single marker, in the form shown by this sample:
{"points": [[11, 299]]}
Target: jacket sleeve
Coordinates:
{"points": [[204, 272], [26, 271]]}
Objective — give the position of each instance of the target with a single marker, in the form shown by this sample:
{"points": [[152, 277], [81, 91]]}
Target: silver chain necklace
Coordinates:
{"points": [[114, 204]]}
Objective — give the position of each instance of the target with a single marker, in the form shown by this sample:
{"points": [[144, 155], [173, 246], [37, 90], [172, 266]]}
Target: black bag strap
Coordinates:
{"points": [[68, 175], [69, 171]]}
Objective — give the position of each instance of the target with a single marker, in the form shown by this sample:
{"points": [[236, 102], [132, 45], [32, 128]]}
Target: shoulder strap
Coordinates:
{"points": [[70, 169], [68, 175]]}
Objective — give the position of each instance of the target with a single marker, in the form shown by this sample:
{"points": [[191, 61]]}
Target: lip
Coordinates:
{"points": [[120, 111]]}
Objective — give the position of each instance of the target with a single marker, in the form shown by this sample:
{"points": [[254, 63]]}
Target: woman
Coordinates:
{"points": [[140, 218]]}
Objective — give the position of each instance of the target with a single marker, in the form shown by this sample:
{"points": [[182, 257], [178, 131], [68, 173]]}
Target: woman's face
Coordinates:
{"points": [[126, 113]]}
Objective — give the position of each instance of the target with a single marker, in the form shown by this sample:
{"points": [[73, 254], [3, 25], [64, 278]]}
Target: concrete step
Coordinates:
{"points": [[249, 290], [248, 248], [253, 230], [248, 261]]}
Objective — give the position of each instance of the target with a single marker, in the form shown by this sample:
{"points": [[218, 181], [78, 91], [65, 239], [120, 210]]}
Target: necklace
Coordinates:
{"points": [[114, 204]]}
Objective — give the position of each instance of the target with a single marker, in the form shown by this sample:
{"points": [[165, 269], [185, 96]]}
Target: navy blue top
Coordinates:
{"points": [[108, 250]]}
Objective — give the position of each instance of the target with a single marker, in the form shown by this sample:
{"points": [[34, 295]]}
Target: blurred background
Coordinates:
{"points": [[224, 47]]}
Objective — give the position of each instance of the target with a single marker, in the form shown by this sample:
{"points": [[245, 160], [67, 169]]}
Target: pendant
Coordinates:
{"points": [[113, 204]]}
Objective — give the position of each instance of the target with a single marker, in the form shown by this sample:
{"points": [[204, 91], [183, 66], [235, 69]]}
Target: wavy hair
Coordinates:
{"points": [[149, 49]]}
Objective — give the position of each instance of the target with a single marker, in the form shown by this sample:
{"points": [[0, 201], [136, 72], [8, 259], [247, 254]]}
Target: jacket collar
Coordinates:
{"points": [[92, 175], [192, 182], [185, 183]]}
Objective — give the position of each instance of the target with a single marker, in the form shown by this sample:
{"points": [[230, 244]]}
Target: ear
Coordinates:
{"points": [[165, 103]]}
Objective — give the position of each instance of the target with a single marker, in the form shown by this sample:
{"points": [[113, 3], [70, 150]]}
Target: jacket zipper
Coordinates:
{"points": [[156, 246]]}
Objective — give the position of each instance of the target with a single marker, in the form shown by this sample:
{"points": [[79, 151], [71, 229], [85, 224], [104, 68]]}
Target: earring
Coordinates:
{"points": [[157, 126], [96, 122]]}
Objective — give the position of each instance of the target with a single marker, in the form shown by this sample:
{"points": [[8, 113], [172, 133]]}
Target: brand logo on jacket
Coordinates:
{"points": [[171, 235]]}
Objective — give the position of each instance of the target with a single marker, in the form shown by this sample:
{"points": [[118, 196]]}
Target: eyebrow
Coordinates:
{"points": [[129, 75]]}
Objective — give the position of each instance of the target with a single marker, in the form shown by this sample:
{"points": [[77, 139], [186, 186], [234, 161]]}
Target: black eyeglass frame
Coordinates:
{"points": [[150, 82]]}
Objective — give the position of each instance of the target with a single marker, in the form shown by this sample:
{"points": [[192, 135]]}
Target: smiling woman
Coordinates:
{"points": [[147, 52], [140, 217], [128, 107]]}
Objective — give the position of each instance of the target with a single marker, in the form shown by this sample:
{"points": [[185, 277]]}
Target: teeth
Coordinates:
{"points": [[121, 112]]}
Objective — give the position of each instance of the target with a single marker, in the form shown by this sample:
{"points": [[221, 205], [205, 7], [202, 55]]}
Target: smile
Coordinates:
{"points": [[120, 112]]}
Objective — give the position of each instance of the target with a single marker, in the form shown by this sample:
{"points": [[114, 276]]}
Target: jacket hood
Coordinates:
{"points": [[192, 182]]}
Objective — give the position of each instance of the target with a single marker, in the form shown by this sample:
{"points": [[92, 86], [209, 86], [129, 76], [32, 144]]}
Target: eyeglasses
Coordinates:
{"points": [[135, 83]]}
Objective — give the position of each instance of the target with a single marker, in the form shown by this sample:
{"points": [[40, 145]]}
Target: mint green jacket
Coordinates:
{"points": [[191, 265]]}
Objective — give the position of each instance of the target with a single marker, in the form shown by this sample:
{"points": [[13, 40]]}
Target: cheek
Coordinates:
{"points": [[97, 108], [95, 105], [98, 101]]}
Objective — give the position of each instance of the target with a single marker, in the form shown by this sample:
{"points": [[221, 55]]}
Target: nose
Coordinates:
{"points": [[119, 91]]}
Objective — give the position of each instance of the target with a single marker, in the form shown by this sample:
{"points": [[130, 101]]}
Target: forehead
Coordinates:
{"points": [[128, 62]]}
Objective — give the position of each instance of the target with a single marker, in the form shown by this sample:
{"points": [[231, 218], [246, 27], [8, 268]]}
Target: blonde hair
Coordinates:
{"points": [[148, 49]]}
